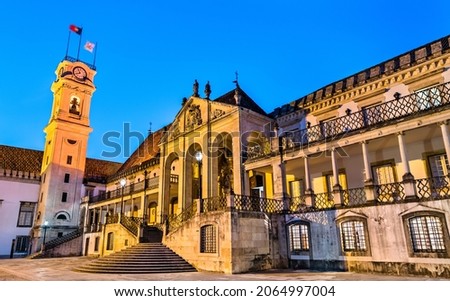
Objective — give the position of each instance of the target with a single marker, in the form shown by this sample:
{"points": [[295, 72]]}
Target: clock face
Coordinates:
{"points": [[79, 73]]}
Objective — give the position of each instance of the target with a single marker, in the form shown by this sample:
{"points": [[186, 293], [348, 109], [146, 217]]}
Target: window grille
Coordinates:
{"points": [[208, 239], [299, 238], [353, 236], [427, 234]]}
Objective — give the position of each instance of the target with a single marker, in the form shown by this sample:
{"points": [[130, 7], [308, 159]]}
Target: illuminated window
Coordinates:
{"points": [[298, 238]]}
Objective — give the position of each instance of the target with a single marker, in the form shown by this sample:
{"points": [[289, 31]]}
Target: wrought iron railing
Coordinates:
{"points": [[130, 224], [409, 106], [150, 183], [63, 239], [112, 218], [93, 228], [297, 203], [324, 200], [390, 193], [253, 203], [177, 221], [354, 196], [216, 203], [433, 188]]}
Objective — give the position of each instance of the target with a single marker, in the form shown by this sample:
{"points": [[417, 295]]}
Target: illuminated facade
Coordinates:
{"points": [[353, 176]]}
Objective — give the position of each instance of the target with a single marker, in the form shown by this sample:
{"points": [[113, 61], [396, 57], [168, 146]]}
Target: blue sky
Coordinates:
{"points": [[150, 52]]}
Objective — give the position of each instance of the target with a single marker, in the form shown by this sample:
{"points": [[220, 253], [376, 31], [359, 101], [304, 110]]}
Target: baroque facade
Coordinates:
{"points": [[354, 176]]}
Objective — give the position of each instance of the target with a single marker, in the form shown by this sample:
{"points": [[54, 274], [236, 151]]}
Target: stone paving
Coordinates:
{"points": [[61, 269]]}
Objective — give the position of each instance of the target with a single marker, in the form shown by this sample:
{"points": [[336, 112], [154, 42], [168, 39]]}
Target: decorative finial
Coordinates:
{"points": [[236, 81], [150, 129], [207, 90], [183, 101], [195, 89]]}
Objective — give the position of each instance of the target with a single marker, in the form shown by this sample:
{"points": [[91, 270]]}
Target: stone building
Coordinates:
{"points": [[353, 176]]}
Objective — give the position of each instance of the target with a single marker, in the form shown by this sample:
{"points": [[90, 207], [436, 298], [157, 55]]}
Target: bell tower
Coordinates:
{"points": [[64, 159]]}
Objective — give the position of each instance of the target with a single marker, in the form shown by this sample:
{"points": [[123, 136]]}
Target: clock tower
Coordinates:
{"points": [[63, 165]]}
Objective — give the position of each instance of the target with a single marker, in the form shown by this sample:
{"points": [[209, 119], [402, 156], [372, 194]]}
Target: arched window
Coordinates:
{"points": [[61, 217], [298, 238], [208, 239]]}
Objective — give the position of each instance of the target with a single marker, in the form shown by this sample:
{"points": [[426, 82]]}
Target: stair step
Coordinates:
{"points": [[141, 258]]}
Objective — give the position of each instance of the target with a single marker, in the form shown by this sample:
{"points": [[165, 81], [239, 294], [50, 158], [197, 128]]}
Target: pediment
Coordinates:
{"points": [[351, 213], [195, 113], [420, 207]]}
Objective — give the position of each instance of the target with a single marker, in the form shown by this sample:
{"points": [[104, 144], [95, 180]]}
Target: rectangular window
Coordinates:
{"points": [[64, 197], [208, 239], [26, 213], [66, 178], [299, 238], [353, 236], [439, 166], [427, 234], [69, 160], [22, 244], [96, 244], [384, 174]]}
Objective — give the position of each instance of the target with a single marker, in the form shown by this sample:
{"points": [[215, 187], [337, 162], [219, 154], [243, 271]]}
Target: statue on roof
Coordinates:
{"points": [[207, 90], [195, 89]]}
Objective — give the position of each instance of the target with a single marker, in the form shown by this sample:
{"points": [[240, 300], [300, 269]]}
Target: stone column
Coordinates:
{"points": [[408, 179], [309, 193], [279, 183], [444, 131], [337, 189], [369, 187]]}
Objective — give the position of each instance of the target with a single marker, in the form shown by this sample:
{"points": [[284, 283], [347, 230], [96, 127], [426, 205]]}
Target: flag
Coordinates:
{"points": [[89, 46], [76, 29]]}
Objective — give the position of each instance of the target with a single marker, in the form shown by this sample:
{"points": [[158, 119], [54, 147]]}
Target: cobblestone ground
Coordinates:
{"points": [[62, 269]]}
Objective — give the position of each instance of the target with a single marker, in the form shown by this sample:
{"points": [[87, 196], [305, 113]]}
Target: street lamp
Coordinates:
{"points": [[199, 156], [45, 226], [122, 182]]}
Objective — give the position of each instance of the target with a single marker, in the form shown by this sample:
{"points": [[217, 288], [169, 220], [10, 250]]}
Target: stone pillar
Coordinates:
{"points": [[279, 183], [309, 193], [369, 187], [337, 189], [408, 179], [444, 131]]}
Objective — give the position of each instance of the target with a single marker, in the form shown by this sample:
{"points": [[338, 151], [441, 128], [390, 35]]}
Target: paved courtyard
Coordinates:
{"points": [[62, 269]]}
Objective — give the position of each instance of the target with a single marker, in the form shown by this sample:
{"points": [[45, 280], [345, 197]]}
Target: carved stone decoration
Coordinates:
{"points": [[217, 113], [175, 129], [194, 116]]}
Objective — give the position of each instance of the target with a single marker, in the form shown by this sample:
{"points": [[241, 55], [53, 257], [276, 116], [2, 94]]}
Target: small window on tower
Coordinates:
{"points": [[75, 105], [69, 160], [66, 178], [64, 197]]}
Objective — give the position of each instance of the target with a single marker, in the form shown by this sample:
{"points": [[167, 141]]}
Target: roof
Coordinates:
{"points": [[407, 59], [21, 159], [29, 160], [246, 101], [147, 150]]}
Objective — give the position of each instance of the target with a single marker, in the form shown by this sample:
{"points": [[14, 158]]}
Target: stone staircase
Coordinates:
{"points": [[142, 258]]}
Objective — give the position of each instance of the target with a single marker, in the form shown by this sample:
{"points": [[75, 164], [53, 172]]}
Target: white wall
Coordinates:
{"points": [[12, 192]]}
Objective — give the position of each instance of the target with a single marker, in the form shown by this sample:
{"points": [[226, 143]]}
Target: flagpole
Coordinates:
{"points": [[79, 44], [68, 42], [95, 52]]}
